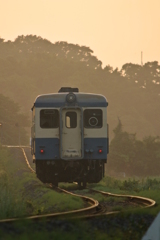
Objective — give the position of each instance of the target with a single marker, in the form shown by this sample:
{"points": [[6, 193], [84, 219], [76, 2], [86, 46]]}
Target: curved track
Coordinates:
{"points": [[142, 201], [93, 210]]}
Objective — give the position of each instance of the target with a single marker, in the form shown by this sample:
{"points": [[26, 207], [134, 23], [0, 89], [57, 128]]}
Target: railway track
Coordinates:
{"points": [[94, 208]]}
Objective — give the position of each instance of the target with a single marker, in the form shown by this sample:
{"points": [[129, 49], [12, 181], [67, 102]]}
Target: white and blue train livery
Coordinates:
{"points": [[70, 136]]}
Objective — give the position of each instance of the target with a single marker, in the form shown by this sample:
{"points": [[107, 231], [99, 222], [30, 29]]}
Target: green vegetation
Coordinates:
{"points": [[22, 194], [128, 184], [133, 157], [12, 123], [11, 204]]}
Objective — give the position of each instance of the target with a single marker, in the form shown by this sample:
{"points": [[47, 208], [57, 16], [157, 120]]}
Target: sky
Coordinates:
{"points": [[116, 30]]}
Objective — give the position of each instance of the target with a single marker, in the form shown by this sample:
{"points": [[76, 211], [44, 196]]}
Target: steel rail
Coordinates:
{"points": [[26, 159], [145, 201]]}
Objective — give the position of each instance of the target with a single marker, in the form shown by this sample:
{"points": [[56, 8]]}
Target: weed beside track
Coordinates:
{"points": [[22, 194], [129, 226]]}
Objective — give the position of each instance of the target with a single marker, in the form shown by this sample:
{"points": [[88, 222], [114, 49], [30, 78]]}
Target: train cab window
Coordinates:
{"points": [[92, 118], [49, 118], [71, 119]]}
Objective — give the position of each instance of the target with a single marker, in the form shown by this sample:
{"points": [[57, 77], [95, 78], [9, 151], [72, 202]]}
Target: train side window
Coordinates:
{"points": [[93, 118], [49, 118], [71, 119]]}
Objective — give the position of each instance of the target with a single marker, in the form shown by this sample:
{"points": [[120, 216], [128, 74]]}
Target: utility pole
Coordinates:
{"points": [[142, 59], [1, 132]]}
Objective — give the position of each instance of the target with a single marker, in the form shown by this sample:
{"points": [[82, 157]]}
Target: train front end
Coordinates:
{"points": [[70, 136]]}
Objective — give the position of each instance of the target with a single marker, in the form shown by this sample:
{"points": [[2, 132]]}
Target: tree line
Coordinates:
{"points": [[31, 65]]}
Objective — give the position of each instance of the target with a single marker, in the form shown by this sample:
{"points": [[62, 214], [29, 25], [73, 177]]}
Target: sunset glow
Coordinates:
{"points": [[117, 31]]}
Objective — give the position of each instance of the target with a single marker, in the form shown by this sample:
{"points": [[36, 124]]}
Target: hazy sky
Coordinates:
{"points": [[116, 30]]}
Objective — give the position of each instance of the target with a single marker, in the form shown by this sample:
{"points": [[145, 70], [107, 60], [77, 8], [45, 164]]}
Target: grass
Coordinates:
{"points": [[11, 204], [130, 184], [71, 230], [22, 194]]}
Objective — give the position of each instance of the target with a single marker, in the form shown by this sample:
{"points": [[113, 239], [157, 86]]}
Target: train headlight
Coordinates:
{"points": [[71, 97], [93, 121]]}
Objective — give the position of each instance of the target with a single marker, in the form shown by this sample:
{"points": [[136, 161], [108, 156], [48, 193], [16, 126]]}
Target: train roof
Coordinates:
{"points": [[82, 100]]}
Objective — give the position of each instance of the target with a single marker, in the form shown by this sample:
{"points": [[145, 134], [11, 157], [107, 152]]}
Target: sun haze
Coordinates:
{"points": [[117, 31]]}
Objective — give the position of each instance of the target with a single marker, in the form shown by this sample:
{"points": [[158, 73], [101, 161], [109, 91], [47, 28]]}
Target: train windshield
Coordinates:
{"points": [[49, 118], [92, 118]]}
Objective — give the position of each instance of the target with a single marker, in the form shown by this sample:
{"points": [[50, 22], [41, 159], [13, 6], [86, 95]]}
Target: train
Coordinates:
{"points": [[70, 137]]}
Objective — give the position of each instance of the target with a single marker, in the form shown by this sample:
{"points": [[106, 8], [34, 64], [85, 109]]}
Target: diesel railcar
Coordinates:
{"points": [[69, 136]]}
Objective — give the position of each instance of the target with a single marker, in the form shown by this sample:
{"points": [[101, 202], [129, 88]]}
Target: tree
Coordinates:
{"points": [[146, 75], [9, 117], [122, 149]]}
